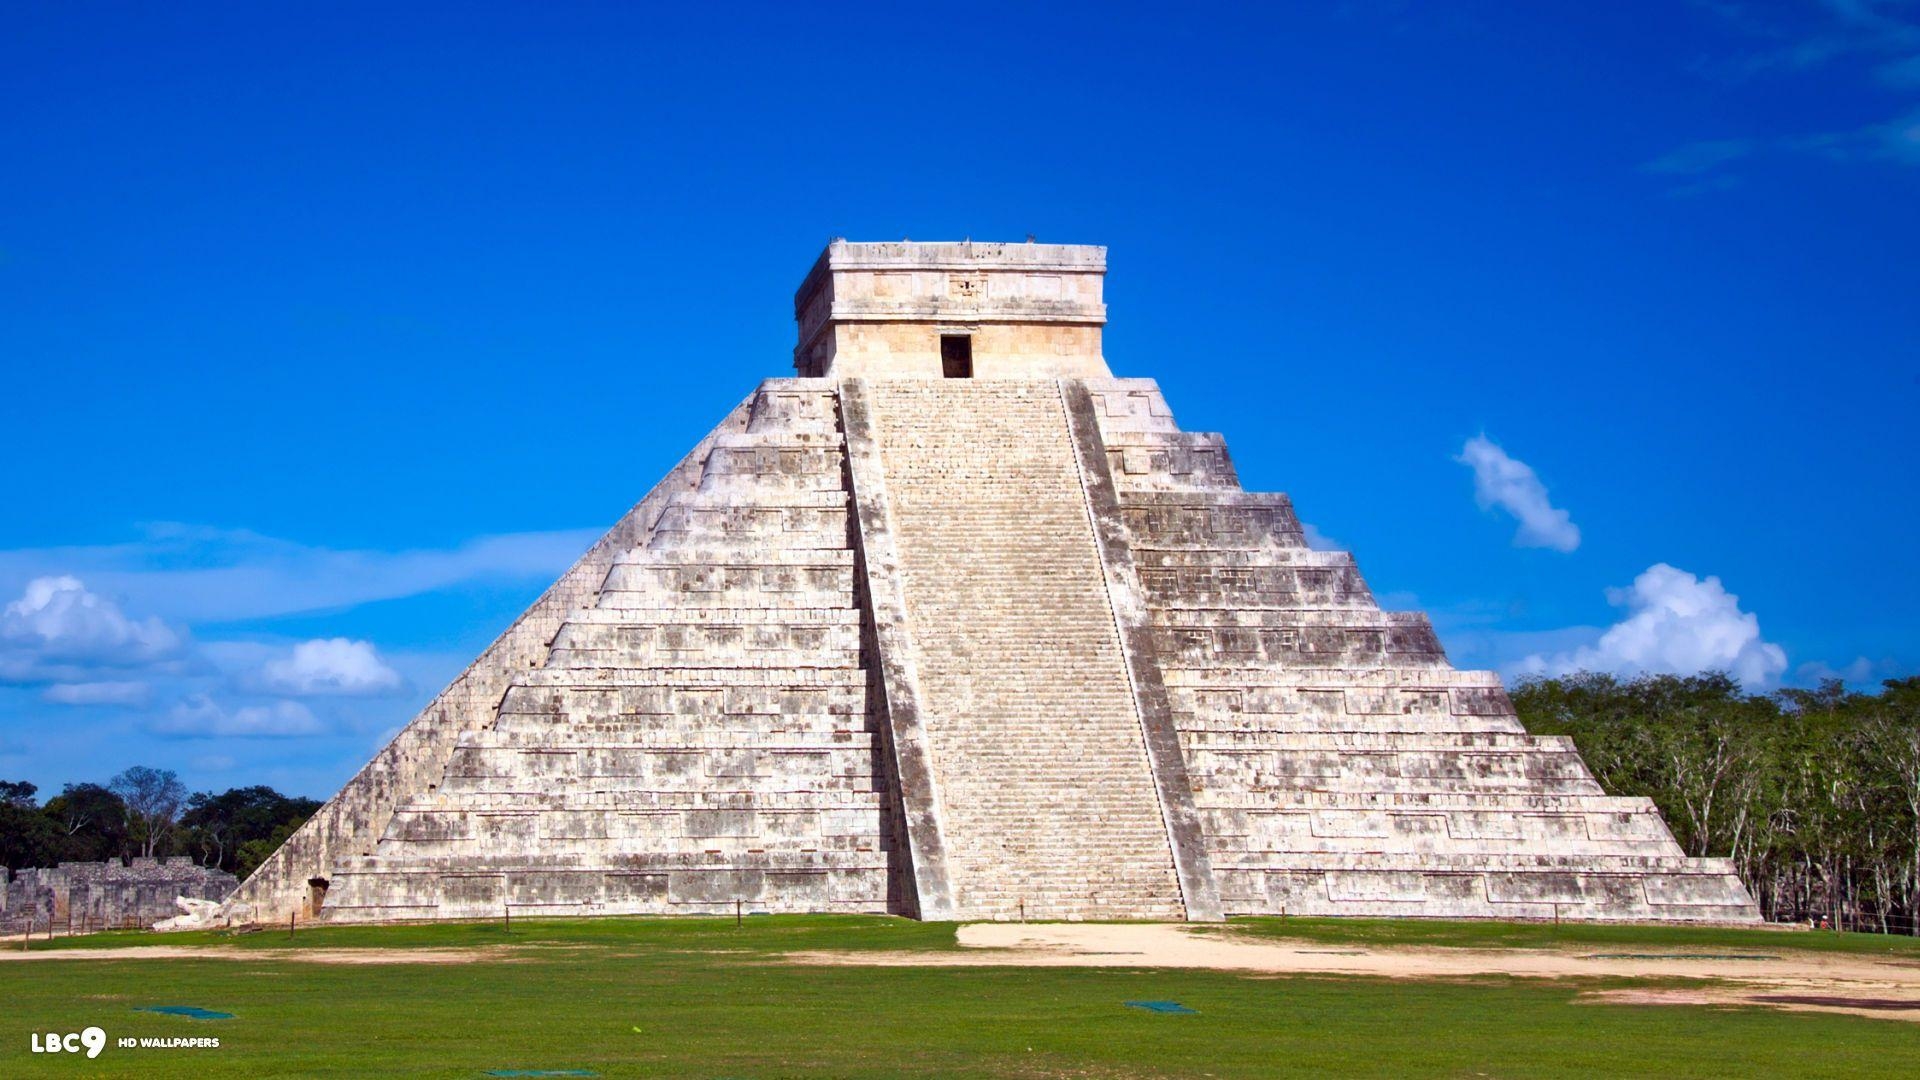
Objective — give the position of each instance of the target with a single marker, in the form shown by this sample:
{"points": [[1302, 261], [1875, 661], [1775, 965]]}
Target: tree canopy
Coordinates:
{"points": [[234, 830], [1814, 794]]}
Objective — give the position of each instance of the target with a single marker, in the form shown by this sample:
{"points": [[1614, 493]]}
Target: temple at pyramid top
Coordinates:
{"points": [[952, 310]]}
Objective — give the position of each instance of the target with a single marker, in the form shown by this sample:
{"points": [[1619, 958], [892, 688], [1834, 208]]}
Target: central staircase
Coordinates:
{"points": [[1038, 756]]}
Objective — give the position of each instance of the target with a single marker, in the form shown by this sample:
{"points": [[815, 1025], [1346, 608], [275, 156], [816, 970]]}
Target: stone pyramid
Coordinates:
{"points": [[954, 624]]}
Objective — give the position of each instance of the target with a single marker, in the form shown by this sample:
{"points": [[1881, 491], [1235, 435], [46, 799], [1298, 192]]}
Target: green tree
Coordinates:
{"points": [[27, 837], [154, 798], [91, 822], [215, 828], [255, 852], [1814, 793]]}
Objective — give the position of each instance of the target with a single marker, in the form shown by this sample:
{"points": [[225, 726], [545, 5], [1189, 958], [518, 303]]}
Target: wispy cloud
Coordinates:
{"points": [[1859, 671], [1803, 37], [1900, 74], [1318, 540], [129, 693], [89, 638], [1503, 481], [201, 716], [1708, 165], [197, 574], [1676, 623], [1695, 158], [1875, 41], [1896, 140]]}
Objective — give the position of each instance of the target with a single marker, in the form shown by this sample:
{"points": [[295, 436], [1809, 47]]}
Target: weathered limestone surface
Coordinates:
{"points": [[106, 894], [352, 822], [1048, 801], [880, 310], [896, 639], [699, 733], [894, 675], [1340, 765]]}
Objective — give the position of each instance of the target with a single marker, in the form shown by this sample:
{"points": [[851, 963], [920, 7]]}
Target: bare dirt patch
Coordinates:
{"points": [[1824, 981], [1725, 995]]}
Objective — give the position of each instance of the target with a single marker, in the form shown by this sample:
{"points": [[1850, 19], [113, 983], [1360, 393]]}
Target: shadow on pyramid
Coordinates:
{"points": [[956, 625]]}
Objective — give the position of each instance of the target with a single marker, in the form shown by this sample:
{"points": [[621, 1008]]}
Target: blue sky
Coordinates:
{"points": [[333, 333]]}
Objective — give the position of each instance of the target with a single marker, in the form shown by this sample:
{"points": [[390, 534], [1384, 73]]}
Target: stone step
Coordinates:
{"points": [[712, 797], [726, 557], [1321, 722], [1530, 862], [1374, 740], [823, 788], [670, 730], [1283, 788], [796, 530], [770, 861], [640, 658], [832, 496], [611, 704], [732, 616], [1013, 634], [1415, 829], [795, 762], [1379, 677], [690, 677], [1494, 802]]}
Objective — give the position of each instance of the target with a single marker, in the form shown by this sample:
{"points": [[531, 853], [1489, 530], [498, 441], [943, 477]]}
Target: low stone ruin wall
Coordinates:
{"points": [[78, 897]]}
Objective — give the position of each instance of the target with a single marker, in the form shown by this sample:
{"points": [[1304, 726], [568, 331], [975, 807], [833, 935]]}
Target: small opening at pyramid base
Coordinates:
{"points": [[956, 356]]}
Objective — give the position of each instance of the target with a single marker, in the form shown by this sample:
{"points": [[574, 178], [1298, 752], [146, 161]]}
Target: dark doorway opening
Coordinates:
{"points": [[956, 356]]}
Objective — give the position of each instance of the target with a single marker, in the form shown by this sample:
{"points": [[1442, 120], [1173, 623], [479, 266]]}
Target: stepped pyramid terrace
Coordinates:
{"points": [[955, 624]]}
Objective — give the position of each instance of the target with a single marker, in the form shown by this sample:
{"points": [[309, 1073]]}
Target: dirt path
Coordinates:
{"points": [[1865, 986]]}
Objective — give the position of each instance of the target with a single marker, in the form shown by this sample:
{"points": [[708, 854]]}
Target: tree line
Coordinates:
{"points": [[1814, 794], [147, 812]]}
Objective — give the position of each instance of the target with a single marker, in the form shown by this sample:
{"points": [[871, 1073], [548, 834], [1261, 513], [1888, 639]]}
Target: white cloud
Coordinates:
{"points": [[331, 666], [1318, 540], [1676, 624], [1860, 672], [59, 631], [200, 715], [1510, 484], [129, 693], [197, 574]]}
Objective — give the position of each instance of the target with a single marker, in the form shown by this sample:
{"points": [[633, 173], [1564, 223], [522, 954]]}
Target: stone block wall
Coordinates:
{"points": [[1340, 764], [353, 821], [698, 733], [975, 648], [101, 895]]}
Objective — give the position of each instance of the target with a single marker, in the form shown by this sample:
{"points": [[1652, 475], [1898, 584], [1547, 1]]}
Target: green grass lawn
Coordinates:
{"points": [[698, 998], [1598, 937], [756, 933]]}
